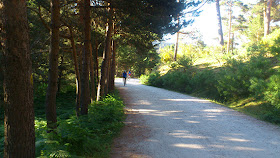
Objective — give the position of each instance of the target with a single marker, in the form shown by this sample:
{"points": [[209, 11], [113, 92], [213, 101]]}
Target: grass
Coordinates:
{"points": [[257, 109], [241, 84]]}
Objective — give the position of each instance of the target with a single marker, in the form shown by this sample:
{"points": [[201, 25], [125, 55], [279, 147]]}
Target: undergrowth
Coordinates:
{"points": [[236, 81], [84, 136]]}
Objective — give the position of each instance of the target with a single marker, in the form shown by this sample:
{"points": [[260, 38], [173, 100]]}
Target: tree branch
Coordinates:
{"points": [[41, 18]]}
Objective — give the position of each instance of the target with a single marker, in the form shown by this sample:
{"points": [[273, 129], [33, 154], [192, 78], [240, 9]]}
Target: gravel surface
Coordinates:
{"points": [[166, 124]]}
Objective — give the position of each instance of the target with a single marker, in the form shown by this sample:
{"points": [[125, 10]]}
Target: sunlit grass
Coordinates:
{"points": [[256, 108]]}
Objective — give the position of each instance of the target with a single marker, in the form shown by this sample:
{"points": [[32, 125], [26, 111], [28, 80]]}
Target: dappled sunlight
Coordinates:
{"points": [[155, 112], [187, 135], [214, 110], [191, 146], [237, 148], [192, 121], [150, 112], [144, 102], [188, 100], [234, 139], [185, 124]]}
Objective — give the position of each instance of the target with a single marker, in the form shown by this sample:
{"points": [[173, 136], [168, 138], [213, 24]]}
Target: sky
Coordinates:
{"points": [[206, 23]]}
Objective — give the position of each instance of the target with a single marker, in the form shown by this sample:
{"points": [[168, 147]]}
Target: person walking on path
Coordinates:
{"points": [[124, 75]]}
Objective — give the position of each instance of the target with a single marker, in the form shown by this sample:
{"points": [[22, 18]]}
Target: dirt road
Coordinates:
{"points": [[166, 124]]}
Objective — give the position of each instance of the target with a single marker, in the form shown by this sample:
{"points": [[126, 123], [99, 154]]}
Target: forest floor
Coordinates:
{"points": [[166, 124]]}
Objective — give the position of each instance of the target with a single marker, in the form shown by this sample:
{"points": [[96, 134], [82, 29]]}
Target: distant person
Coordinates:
{"points": [[124, 75], [129, 74]]}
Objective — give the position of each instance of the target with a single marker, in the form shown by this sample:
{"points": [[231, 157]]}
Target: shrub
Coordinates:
{"points": [[185, 61], [204, 83], [240, 79], [177, 80], [271, 42], [272, 93], [155, 80], [144, 79], [86, 136], [233, 80]]}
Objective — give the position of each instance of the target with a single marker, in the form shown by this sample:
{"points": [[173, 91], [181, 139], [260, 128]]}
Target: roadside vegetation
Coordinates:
{"points": [[58, 68], [84, 136], [247, 80]]}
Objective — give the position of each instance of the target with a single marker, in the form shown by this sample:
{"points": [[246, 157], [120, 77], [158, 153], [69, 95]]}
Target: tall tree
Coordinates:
{"points": [[177, 38], [85, 90], [220, 28], [113, 64], [103, 83], [267, 17], [230, 5], [18, 88], [53, 66], [77, 72], [92, 76]]}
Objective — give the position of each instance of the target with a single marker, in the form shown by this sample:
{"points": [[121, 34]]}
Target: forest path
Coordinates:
{"points": [[166, 124]]}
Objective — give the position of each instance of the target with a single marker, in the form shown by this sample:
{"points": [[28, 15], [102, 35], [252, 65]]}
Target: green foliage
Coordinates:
{"points": [[235, 80], [240, 79], [166, 54], [272, 94], [177, 80], [1, 139], [204, 83], [271, 42], [85, 136], [255, 28], [185, 61], [155, 80], [129, 58], [144, 79]]}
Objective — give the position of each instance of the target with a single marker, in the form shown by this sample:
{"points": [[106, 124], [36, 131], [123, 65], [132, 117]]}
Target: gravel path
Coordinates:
{"points": [[166, 124]]}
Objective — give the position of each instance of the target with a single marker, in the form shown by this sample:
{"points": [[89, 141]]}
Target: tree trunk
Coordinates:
{"points": [[77, 72], [18, 83], [107, 85], [229, 25], [113, 64], [103, 84], [177, 42], [177, 38], [267, 17], [92, 77], [85, 91], [113, 68], [60, 70], [53, 66], [95, 57], [220, 28]]}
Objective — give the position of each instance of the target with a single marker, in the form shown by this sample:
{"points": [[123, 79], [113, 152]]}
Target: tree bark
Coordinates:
{"points": [[113, 68], [229, 26], [53, 66], [77, 72], [177, 39], [220, 28], [177, 42], [18, 89], [103, 84], [267, 17], [60, 73], [95, 57], [92, 76], [85, 90]]}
